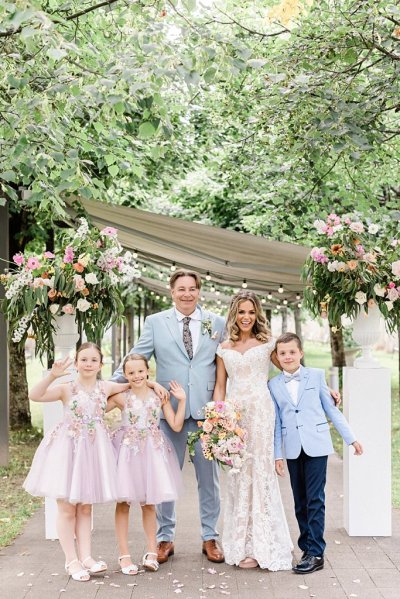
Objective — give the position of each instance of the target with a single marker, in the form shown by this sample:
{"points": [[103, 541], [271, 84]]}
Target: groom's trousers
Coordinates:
{"points": [[307, 479], [207, 483]]}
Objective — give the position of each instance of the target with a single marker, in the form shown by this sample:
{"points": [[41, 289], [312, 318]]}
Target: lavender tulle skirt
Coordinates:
{"points": [[77, 469], [148, 470]]}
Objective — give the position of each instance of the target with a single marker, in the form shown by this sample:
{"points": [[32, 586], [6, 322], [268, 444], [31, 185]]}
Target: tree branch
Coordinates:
{"points": [[90, 9]]}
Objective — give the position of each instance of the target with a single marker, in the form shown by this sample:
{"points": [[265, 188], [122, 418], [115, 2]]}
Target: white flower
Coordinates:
{"points": [[380, 291], [54, 308], [389, 305], [357, 227], [83, 230], [84, 259], [396, 268], [49, 282], [337, 228], [332, 266], [342, 267], [82, 305], [373, 228], [320, 226], [91, 278], [392, 294], [360, 297]]}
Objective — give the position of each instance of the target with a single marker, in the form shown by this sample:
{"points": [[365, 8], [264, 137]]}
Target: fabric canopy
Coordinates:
{"points": [[230, 257]]}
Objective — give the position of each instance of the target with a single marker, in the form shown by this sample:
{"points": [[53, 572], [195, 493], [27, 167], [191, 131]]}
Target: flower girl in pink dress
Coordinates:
{"points": [[75, 462], [148, 471]]}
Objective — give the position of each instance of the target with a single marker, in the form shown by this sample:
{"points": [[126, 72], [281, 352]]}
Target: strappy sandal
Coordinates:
{"points": [[150, 564], [97, 567], [80, 576], [130, 570]]}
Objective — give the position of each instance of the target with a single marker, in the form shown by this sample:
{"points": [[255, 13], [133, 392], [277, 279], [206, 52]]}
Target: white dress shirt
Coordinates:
{"points": [[293, 386], [194, 326]]}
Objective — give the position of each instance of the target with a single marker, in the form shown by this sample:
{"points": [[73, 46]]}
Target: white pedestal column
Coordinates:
{"points": [[64, 343], [367, 478]]}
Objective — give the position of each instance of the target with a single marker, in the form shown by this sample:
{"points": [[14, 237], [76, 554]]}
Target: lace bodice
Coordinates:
{"points": [[141, 418]]}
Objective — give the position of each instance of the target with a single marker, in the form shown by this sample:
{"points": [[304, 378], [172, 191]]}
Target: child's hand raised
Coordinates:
{"points": [[61, 367], [177, 391]]}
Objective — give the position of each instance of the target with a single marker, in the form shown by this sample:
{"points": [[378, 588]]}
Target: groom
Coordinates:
{"points": [[184, 340]]}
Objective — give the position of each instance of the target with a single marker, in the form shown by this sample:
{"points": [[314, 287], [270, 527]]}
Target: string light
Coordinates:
{"points": [[160, 275], [151, 292], [285, 302], [164, 299], [244, 284], [279, 306], [157, 297], [167, 286], [134, 253], [140, 288], [173, 267], [299, 305], [217, 292], [212, 289], [263, 300], [144, 267], [298, 296], [208, 276], [219, 302], [202, 298], [280, 290], [269, 296]]}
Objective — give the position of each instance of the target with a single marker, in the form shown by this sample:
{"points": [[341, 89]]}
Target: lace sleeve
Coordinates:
{"points": [[219, 351]]}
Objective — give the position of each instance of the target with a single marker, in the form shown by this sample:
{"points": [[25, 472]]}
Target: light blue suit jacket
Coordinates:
{"points": [[305, 425], [162, 338]]}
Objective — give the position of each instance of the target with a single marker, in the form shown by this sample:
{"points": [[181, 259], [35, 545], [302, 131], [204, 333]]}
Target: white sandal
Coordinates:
{"points": [[150, 564], [130, 570], [97, 567], [80, 576]]}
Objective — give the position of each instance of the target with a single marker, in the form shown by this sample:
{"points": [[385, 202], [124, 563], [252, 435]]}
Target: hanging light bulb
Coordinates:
{"points": [[298, 296], [217, 292], [285, 302], [212, 289], [173, 267], [151, 292], [208, 276], [202, 298], [269, 296], [134, 254], [280, 289], [164, 299], [140, 288], [279, 306], [299, 305], [263, 300], [157, 297], [167, 286], [219, 302], [144, 267], [244, 284], [160, 275]]}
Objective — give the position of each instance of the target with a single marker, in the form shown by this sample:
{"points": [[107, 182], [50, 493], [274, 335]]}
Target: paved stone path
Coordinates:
{"points": [[363, 567]]}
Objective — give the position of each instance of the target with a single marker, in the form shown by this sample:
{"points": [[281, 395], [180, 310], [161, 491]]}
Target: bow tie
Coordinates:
{"points": [[292, 377]]}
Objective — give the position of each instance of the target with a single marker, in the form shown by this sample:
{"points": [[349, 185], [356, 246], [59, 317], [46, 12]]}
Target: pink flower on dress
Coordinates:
{"points": [[49, 255], [33, 263], [19, 259], [109, 231]]}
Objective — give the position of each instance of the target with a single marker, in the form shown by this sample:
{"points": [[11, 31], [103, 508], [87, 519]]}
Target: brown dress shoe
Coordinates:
{"points": [[164, 550], [213, 551]]}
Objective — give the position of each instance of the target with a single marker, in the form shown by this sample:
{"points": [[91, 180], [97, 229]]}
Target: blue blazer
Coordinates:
{"points": [[305, 425], [162, 338]]}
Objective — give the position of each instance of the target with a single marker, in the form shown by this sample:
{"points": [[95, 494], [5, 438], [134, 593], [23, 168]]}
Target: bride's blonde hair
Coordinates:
{"points": [[260, 328]]}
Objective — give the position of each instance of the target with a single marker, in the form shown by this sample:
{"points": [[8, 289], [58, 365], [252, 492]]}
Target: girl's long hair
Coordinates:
{"points": [[260, 329]]}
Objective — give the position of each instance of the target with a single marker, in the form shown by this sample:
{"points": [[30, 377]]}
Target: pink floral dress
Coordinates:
{"points": [[76, 460], [148, 471]]}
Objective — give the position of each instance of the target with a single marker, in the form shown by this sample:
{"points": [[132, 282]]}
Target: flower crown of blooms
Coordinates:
{"points": [[357, 265], [84, 277]]}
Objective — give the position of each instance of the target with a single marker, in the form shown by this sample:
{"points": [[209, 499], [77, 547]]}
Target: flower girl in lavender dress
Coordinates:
{"points": [[148, 471], [75, 463]]}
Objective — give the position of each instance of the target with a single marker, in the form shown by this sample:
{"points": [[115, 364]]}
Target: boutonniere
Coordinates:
{"points": [[206, 326]]}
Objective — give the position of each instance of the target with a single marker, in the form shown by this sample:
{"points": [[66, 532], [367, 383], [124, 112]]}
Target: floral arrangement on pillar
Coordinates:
{"points": [[355, 267], [84, 277]]}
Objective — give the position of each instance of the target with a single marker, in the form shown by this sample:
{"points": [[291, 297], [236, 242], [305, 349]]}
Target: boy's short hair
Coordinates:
{"points": [[287, 338]]}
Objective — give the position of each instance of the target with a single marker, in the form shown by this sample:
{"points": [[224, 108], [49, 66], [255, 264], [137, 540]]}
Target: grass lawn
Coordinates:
{"points": [[16, 506]]}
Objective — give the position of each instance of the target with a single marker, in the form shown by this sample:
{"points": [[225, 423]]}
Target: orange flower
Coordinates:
{"points": [[78, 267], [352, 264], [85, 291], [336, 248], [199, 423]]}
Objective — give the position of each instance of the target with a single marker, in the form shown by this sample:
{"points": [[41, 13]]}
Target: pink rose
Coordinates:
{"points": [[68, 309], [79, 282], [357, 227], [207, 426], [49, 255], [109, 231], [68, 255], [18, 259], [392, 294], [33, 263], [396, 268]]}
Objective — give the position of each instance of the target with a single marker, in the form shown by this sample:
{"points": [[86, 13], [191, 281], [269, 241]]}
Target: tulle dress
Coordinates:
{"points": [[76, 460], [148, 470], [254, 519]]}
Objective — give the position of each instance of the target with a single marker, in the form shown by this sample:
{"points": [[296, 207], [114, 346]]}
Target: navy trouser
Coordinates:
{"points": [[308, 478]]}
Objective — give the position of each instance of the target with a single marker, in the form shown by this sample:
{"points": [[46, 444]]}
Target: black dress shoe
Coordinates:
{"points": [[311, 563]]}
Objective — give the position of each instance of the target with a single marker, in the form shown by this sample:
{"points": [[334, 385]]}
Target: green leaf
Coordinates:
{"points": [[147, 130], [8, 176], [110, 159], [56, 53], [113, 170]]}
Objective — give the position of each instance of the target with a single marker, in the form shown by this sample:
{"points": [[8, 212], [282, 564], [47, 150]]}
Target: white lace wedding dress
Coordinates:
{"points": [[254, 520]]}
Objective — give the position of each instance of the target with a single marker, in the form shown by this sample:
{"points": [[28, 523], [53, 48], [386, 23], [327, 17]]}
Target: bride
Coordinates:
{"points": [[255, 528]]}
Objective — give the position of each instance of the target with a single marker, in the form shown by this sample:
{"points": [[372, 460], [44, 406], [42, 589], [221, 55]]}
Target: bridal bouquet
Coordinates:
{"points": [[220, 436], [356, 265], [83, 277]]}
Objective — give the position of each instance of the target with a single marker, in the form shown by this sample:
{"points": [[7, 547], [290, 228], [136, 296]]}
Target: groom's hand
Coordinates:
{"points": [[358, 450], [279, 468], [336, 397]]}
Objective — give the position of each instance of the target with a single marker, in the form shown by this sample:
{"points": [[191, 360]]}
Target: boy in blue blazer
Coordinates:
{"points": [[303, 403]]}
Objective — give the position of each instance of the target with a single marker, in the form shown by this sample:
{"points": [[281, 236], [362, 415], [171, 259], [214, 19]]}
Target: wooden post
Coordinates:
{"points": [[284, 319], [4, 377]]}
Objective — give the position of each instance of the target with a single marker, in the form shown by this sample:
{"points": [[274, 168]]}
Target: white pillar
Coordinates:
{"points": [[64, 343], [367, 478]]}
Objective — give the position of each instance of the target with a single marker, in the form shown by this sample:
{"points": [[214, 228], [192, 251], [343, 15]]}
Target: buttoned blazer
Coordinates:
{"points": [[305, 425], [162, 338]]}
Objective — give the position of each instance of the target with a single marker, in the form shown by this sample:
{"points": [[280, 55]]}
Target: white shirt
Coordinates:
{"points": [[293, 386], [194, 325]]}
